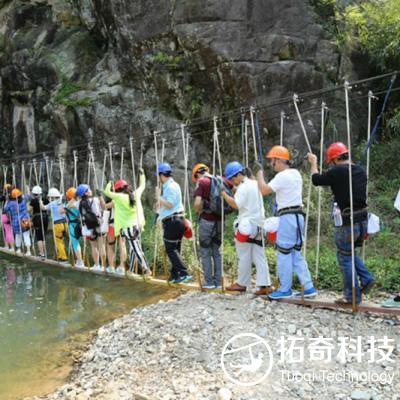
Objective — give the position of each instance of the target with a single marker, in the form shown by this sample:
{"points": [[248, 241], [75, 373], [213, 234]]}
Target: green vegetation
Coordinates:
{"points": [[170, 61], [69, 88]]}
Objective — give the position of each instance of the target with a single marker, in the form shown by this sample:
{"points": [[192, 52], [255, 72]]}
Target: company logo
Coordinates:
{"points": [[247, 359]]}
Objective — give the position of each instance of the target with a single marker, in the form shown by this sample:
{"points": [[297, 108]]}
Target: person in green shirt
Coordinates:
{"points": [[129, 219]]}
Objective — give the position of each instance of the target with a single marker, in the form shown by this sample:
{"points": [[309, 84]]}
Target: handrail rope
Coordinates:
{"points": [[321, 160], [353, 268], [51, 209], [378, 119], [217, 147], [156, 230]]}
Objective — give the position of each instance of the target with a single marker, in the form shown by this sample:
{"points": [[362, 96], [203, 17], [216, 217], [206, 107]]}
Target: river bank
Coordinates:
{"points": [[172, 350]]}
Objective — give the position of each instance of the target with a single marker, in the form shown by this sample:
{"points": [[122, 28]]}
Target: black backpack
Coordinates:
{"points": [[90, 219], [214, 204]]}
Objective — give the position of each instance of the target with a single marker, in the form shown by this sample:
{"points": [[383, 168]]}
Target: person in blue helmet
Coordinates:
{"points": [[171, 215], [248, 230]]}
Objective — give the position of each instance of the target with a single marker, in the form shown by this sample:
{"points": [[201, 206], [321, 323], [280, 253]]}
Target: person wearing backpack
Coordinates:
{"points": [[248, 201], [71, 210], [90, 211], [170, 206], [59, 222], [40, 219], [287, 185], [207, 204]]}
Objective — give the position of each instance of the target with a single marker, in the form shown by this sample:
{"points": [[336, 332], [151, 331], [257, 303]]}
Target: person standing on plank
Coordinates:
{"points": [[59, 223], [209, 227], [287, 185], [40, 219], [6, 219], [248, 230], [169, 202], [20, 220], [337, 177], [126, 219]]}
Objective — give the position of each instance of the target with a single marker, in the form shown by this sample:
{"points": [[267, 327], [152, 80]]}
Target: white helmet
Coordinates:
{"points": [[53, 192], [37, 190]]}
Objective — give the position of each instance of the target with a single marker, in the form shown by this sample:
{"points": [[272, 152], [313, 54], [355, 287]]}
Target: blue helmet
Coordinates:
{"points": [[164, 168], [82, 189], [232, 169]]}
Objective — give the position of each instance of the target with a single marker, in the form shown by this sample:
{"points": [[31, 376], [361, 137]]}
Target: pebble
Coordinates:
{"points": [[158, 356]]}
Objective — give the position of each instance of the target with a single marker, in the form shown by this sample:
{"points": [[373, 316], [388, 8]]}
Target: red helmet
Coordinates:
{"points": [[120, 184], [335, 150]]}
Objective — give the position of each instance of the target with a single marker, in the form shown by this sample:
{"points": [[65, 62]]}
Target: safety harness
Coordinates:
{"points": [[296, 210]]}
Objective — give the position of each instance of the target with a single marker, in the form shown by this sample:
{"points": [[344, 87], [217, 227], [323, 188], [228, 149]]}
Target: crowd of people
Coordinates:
{"points": [[115, 215]]}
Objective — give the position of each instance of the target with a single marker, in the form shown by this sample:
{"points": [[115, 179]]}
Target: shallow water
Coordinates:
{"points": [[46, 317]]}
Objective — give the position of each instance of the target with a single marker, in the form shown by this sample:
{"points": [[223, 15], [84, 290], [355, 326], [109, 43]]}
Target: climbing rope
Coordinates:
{"points": [[321, 158], [253, 131], [353, 268]]}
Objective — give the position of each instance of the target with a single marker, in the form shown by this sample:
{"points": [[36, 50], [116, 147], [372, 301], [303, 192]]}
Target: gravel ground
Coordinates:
{"points": [[172, 350]]}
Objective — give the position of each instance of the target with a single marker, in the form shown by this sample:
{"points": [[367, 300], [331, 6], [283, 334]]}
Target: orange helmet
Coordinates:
{"points": [[279, 152], [200, 167], [15, 193], [70, 193]]}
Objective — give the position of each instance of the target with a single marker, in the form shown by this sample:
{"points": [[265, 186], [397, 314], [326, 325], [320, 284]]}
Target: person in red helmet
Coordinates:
{"points": [[337, 177]]}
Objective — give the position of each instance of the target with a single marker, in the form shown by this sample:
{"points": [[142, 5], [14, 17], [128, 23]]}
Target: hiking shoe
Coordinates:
{"points": [[280, 295], [392, 303], [264, 290], [312, 292], [186, 278], [236, 288], [367, 287], [208, 287]]}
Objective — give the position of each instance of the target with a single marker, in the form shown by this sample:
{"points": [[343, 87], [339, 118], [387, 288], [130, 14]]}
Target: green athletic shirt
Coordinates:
{"points": [[125, 215]]}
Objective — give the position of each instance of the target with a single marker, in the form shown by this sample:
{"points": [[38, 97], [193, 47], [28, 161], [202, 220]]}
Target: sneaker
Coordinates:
{"points": [[28, 253], [217, 287], [41, 256], [312, 292], [343, 301], [64, 262], [18, 252], [187, 278], [110, 270], [280, 295], [367, 287], [392, 303], [177, 280], [81, 265], [119, 271], [208, 286], [148, 273]]}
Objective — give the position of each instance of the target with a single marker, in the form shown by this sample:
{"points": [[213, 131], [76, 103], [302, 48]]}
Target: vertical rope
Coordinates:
{"points": [[75, 180], [122, 162], [156, 231], [281, 131], [246, 142], [321, 158], [46, 160], [103, 171], [353, 269], [110, 148], [242, 128], [217, 148], [253, 131], [303, 129]]}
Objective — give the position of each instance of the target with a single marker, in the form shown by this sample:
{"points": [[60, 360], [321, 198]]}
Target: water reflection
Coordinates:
{"points": [[42, 308]]}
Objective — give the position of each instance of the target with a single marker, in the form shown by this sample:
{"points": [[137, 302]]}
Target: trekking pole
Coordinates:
{"points": [[347, 88], [321, 158]]}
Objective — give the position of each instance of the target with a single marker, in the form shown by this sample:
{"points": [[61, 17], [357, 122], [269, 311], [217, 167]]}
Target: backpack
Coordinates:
{"points": [[214, 204], [90, 219]]}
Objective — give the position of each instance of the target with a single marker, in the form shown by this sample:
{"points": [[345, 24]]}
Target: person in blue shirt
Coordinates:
{"points": [[171, 214]]}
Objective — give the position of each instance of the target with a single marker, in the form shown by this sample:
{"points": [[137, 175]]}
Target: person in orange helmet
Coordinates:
{"points": [[337, 177], [6, 219], [287, 186], [18, 210], [71, 210]]}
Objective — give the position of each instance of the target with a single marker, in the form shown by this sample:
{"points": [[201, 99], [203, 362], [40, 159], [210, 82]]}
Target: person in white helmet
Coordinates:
{"points": [[59, 223], [40, 220]]}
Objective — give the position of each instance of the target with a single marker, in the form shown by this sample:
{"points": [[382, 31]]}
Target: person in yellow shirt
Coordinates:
{"points": [[129, 218]]}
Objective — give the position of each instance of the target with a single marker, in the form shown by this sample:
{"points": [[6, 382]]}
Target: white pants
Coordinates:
{"points": [[249, 254], [136, 252], [25, 236]]}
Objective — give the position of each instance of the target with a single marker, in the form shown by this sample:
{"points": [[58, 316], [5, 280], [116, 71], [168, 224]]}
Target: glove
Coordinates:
{"points": [[248, 172], [98, 192], [257, 167]]}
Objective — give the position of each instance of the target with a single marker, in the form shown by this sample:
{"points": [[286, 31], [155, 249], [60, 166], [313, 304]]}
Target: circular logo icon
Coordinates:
{"points": [[247, 359]]}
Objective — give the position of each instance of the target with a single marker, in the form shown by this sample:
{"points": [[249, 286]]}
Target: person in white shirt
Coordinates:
{"points": [[248, 230], [287, 185]]}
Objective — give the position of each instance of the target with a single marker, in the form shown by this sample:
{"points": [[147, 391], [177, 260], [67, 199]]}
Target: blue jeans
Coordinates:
{"points": [[343, 244], [291, 233]]}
